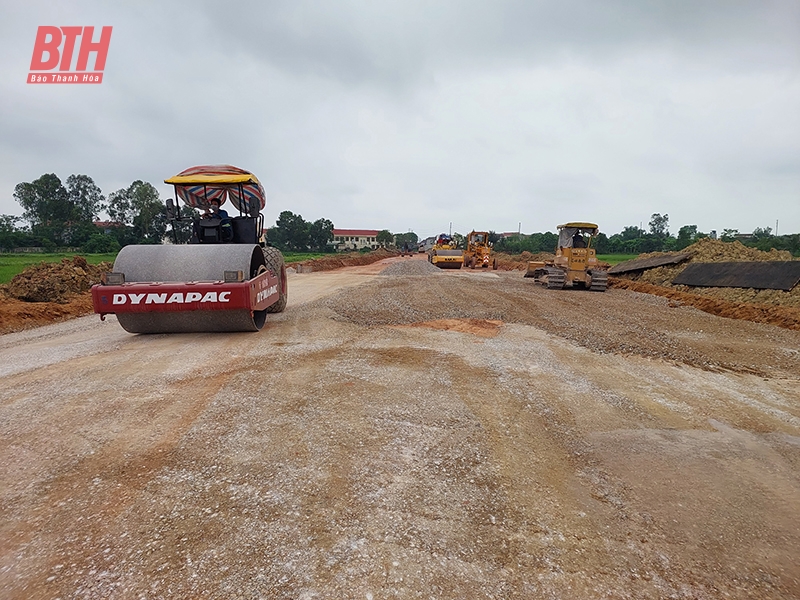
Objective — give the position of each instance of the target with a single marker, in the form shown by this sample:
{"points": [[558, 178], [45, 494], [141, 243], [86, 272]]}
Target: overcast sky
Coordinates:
{"points": [[415, 114]]}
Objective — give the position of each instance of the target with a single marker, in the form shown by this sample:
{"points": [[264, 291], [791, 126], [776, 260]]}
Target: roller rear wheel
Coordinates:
{"points": [[275, 263]]}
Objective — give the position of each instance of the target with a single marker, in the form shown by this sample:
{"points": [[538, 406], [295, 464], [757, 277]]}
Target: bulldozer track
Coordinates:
{"points": [[554, 279], [599, 281]]}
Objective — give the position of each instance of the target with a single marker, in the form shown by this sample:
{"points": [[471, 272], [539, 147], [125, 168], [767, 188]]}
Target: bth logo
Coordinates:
{"points": [[48, 54]]}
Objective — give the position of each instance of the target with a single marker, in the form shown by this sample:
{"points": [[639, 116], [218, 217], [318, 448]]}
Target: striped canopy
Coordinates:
{"points": [[198, 186]]}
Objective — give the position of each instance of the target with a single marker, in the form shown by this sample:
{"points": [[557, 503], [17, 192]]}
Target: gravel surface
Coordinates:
{"points": [[408, 268], [561, 444]]}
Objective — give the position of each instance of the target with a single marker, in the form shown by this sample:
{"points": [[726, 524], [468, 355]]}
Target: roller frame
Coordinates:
{"points": [[255, 294], [182, 289]]}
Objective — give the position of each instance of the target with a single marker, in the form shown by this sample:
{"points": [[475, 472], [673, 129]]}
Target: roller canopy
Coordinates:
{"points": [[199, 185]]}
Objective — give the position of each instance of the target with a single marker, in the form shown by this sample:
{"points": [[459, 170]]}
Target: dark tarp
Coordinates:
{"points": [[641, 264], [771, 275]]}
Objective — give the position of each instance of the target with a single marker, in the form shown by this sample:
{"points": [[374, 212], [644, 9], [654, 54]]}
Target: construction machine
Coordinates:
{"points": [[575, 263], [227, 278], [445, 253], [479, 251]]}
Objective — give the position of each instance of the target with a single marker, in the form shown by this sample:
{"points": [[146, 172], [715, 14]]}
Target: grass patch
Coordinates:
{"points": [[294, 257], [13, 264], [614, 259]]}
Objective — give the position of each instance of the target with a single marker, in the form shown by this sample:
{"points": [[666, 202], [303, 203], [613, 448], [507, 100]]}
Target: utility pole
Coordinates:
{"points": [[451, 228], [519, 228], [776, 227]]}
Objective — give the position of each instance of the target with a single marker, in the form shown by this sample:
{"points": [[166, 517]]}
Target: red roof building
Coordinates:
{"points": [[355, 239]]}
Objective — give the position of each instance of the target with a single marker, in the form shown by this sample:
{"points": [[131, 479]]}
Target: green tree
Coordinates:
{"points": [[410, 237], [45, 205], [141, 213], [761, 233], [292, 232], [85, 199], [384, 237], [320, 233], [687, 235], [9, 235], [631, 232], [8, 223], [659, 225], [101, 243], [728, 235], [601, 244]]}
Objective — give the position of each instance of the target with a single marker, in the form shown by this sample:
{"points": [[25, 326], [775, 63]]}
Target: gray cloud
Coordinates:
{"points": [[413, 115]]}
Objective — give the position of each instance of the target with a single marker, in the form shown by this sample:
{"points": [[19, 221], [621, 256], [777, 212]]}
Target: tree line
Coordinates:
{"points": [[657, 238], [62, 214]]}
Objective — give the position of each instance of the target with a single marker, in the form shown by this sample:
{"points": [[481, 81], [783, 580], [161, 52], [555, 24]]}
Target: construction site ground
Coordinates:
{"points": [[405, 432]]}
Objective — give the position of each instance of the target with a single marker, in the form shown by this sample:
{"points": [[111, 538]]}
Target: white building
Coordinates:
{"points": [[345, 240]]}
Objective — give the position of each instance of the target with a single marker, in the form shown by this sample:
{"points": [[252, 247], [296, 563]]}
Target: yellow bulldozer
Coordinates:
{"points": [[445, 253], [479, 251], [575, 264]]}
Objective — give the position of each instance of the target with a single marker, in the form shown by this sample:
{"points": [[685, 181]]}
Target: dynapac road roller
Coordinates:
{"points": [[226, 279]]}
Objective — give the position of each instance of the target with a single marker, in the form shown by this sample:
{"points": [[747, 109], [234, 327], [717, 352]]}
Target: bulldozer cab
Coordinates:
{"points": [[575, 245], [200, 187], [576, 235]]}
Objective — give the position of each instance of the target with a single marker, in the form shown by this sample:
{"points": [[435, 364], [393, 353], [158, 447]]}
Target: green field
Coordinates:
{"points": [[12, 264], [293, 257], [614, 259]]}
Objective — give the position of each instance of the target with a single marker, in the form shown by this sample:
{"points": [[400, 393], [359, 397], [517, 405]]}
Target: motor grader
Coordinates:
{"points": [[479, 251], [575, 264], [445, 253], [227, 278]]}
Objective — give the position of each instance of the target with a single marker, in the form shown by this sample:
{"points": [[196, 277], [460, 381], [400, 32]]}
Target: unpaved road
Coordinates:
{"points": [[444, 435]]}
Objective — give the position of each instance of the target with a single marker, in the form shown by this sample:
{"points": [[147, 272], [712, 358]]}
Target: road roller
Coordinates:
{"points": [[226, 278], [445, 253]]}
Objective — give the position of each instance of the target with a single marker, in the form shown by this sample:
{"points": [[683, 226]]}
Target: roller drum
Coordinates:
{"points": [[167, 263]]}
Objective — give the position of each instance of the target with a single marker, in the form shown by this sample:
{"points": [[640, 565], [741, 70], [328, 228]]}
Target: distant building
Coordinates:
{"points": [[426, 244], [106, 226], [354, 239]]}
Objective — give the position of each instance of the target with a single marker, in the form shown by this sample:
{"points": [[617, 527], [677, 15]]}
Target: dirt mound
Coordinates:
{"points": [[17, 315], [787, 317], [519, 262], [336, 261], [707, 250], [56, 282]]}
